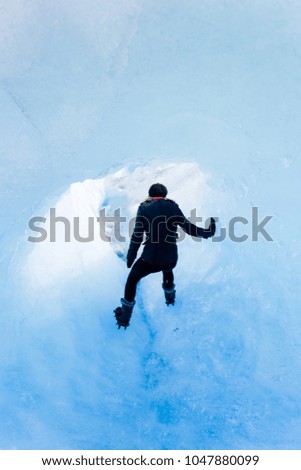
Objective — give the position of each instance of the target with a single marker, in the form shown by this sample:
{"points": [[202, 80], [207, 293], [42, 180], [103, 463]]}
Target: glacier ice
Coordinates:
{"points": [[213, 95], [219, 370]]}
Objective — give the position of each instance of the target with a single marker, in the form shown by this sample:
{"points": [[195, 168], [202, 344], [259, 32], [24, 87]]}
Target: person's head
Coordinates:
{"points": [[157, 190]]}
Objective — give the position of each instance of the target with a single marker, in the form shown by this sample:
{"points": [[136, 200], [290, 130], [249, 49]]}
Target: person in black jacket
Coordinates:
{"points": [[157, 219]]}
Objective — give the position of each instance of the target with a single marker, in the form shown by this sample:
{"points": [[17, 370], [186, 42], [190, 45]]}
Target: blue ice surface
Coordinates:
{"points": [[208, 82]]}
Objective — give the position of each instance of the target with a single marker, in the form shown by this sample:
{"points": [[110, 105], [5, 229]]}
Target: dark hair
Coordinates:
{"points": [[157, 189]]}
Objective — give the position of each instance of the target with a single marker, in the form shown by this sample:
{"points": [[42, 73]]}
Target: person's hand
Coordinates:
{"points": [[130, 261], [212, 226]]}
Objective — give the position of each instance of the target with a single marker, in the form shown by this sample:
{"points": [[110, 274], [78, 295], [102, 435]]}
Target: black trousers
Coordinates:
{"points": [[141, 269]]}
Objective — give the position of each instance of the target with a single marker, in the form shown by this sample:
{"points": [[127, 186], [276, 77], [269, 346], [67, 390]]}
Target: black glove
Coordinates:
{"points": [[212, 227], [129, 261], [210, 231]]}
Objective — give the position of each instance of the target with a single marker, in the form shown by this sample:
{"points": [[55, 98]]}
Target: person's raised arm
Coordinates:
{"points": [[193, 230]]}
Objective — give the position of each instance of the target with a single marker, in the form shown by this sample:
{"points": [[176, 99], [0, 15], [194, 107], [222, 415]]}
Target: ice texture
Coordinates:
{"points": [[98, 101]]}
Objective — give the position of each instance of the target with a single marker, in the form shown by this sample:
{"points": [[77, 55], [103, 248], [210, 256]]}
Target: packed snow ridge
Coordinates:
{"points": [[73, 240]]}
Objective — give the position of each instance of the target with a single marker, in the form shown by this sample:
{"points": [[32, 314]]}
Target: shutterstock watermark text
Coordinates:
{"points": [[119, 228]]}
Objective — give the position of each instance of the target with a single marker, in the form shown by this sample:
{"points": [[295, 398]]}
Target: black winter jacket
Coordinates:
{"points": [[158, 219]]}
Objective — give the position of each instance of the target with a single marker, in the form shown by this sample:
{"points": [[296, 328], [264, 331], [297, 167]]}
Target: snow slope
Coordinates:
{"points": [[216, 371]]}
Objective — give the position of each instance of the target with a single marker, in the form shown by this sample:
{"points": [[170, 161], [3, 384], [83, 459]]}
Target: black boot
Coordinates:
{"points": [[170, 295], [123, 314]]}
